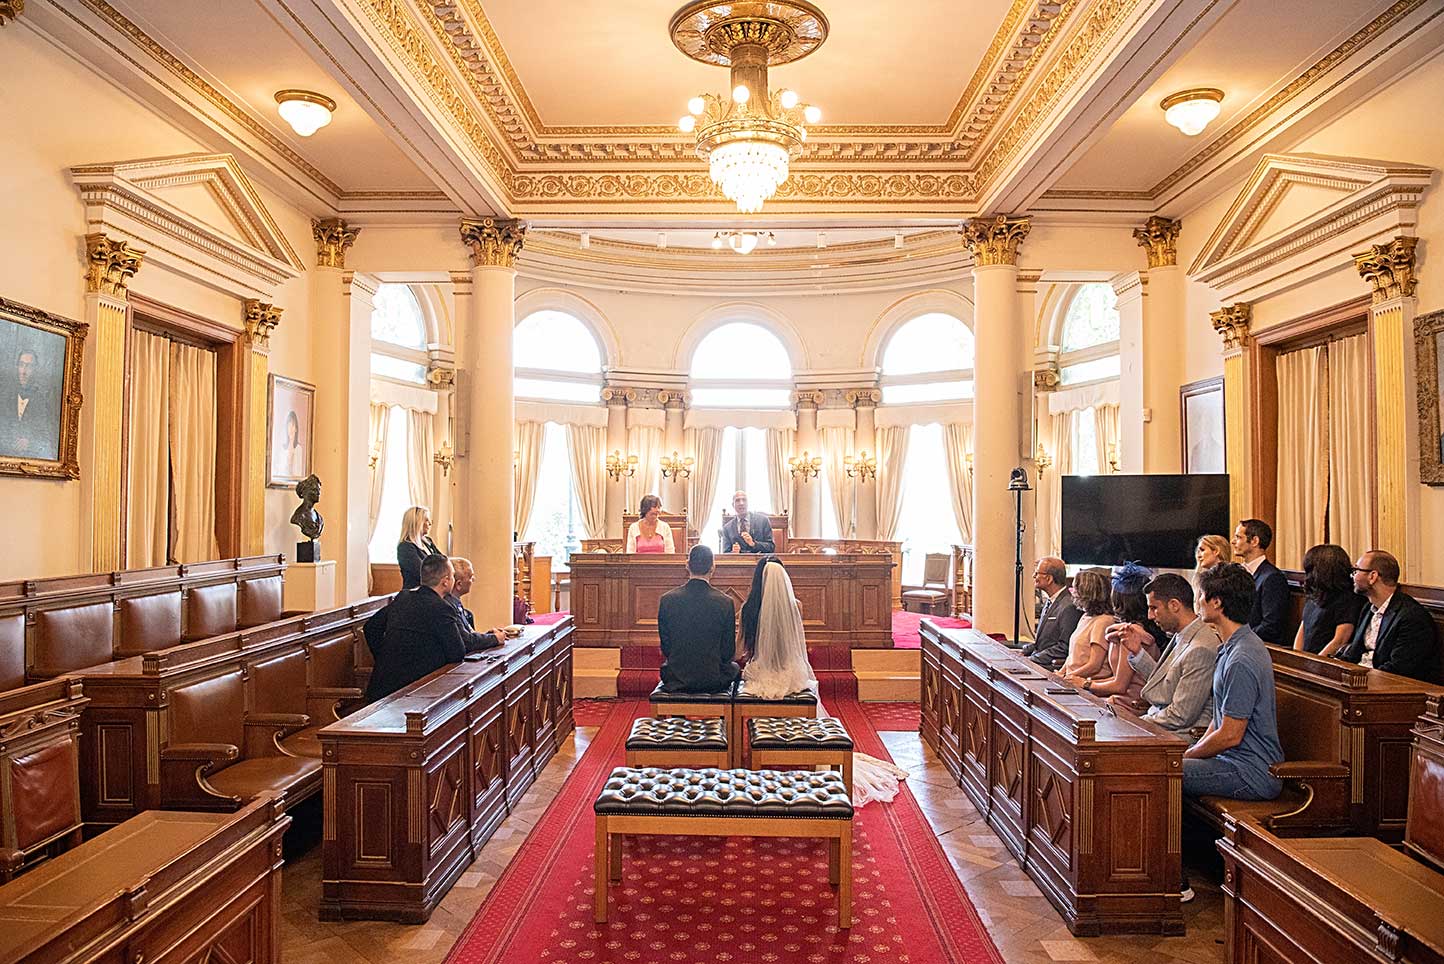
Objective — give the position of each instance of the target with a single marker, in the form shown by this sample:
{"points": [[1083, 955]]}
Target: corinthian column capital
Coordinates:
{"points": [[333, 236], [1231, 322], [493, 242], [995, 240], [10, 9], [260, 319], [1160, 237], [110, 265], [1389, 268]]}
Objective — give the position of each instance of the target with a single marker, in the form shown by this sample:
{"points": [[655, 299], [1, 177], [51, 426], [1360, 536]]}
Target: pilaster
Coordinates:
{"points": [[1163, 328], [1132, 296], [1232, 324], [258, 320], [864, 402]]}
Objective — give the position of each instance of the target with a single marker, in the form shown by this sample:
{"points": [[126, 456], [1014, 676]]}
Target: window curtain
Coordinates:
{"points": [[837, 446], [419, 464], [1050, 487], [193, 453], [1351, 484], [380, 432], [705, 444], [645, 442], [779, 474], [1105, 437], [958, 443], [586, 445], [1303, 471], [892, 450], [148, 518], [530, 441]]}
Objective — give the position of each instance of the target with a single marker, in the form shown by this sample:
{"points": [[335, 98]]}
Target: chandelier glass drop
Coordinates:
{"points": [[749, 137]]}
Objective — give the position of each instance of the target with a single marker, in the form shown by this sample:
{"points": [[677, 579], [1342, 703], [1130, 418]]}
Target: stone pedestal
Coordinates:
{"points": [[310, 586]]}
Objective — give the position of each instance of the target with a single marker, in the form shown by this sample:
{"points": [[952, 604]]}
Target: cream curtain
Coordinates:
{"points": [[779, 473], [957, 444], [1351, 484], [705, 444], [1105, 436], [1303, 471], [1059, 444], [193, 453], [380, 435], [419, 464], [530, 440], [836, 446], [587, 445], [892, 450], [645, 442], [148, 516]]}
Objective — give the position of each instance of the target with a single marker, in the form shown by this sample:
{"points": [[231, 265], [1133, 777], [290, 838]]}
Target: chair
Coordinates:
{"points": [[935, 596], [561, 583]]}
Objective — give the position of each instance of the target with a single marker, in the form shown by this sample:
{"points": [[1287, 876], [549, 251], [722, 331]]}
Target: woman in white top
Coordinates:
{"points": [[650, 533]]}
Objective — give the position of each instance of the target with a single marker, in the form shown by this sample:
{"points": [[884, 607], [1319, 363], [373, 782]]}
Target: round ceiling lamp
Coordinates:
{"points": [[743, 242], [305, 110], [1191, 110], [749, 135]]}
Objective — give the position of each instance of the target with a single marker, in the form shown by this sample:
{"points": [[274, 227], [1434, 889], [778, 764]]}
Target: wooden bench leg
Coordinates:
{"points": [[844, 890], [615, 849], [833, 863], [600, 865], [847, 773]]}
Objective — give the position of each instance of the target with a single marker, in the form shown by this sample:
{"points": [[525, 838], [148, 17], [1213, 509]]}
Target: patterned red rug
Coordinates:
{"points": [[591, 712], [905, 627], [741, 900], [893, 717]]}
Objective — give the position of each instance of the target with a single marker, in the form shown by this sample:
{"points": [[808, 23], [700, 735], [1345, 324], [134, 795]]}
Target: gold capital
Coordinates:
{"points": [[333, 236], [260, 320], [995, 241], [442, 379], [494, 242], [1160, 237], [110, 265], [10, 10], [809, 399], [862, 397], [1389, 268], [1231, 322], [1047, 378]]}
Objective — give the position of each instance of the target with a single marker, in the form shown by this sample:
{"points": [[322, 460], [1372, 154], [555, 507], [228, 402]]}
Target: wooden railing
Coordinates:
{"points": [[962, 580]]}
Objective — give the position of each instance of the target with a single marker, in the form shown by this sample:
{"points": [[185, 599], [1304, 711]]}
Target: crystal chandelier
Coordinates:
{"points": [[749, 137]]}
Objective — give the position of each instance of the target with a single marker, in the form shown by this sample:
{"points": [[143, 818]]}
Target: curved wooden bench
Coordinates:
{"points": [[1314, 802]]}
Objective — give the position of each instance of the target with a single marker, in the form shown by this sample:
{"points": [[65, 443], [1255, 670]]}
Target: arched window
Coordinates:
{"points": [[928, 359], [741, 365], [1089, 342], [398, 335], [556, 357]]}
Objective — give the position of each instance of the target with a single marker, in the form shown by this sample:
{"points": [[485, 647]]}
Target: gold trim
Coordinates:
{"points": [[259, 320], [110, 265], [1193, 93], [333, 236], [11, 9], [1428, 328], [1389, 268], [1160, 236], [1232, 324], [66, 464], [493, 242], [309, 96], [995, 241]]}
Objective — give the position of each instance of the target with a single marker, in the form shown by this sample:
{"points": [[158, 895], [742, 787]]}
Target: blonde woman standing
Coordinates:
{"points": [[1211, 551], [415, 545]]}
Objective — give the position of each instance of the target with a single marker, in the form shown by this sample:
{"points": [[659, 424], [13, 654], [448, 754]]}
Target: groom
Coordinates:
{"points": [[698, 627]]}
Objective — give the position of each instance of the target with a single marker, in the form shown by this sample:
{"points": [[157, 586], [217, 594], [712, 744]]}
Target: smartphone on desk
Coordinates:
{"points": [[476, 657]]}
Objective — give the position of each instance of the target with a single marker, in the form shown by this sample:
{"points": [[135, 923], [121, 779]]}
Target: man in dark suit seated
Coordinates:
{"points": [[465, 575], [1271, 590], [1059, 616], [747, 531], [1395, 634], [698, 628]]}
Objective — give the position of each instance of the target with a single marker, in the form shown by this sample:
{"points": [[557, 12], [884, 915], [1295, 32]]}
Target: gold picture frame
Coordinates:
{"points": [[1429, 379], [290, 455], [40, 398]]}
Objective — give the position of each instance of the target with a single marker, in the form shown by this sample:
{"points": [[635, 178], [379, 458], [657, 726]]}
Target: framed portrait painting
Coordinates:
{"points": [[1202, 423], [40, 357], [290, 418], [1429, 377]]}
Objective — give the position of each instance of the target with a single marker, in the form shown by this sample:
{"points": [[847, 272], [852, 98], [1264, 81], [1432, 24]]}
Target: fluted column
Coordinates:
{"points": [[1163, 333], [864, 501], [997, 439], [441, 376], [1232, 324], [1132, 295], [259, 319], [674, 492], [485, 473], [616, 401], [806, 519]]}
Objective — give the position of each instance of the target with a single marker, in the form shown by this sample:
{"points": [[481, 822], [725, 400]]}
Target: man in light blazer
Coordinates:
{"points": [[1059, 616], [1395, 634], [1179, 691]]}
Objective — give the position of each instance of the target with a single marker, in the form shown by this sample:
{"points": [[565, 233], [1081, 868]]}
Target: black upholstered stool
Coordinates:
{"points": [[677, 742], [745, 706], [724, 803], [705, 705], [794, 743]]}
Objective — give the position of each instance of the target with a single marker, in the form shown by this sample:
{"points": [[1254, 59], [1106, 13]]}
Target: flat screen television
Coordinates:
{"points": [[1152, 519]]}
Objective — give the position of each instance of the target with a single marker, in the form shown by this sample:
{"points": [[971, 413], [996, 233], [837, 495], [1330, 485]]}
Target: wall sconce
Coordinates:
{"points": [[619, 466], [1041, 460], [374, 457], [862, 466], [1113, 459], [676, 468], [968, 458], [445, 458], [806, 467]]}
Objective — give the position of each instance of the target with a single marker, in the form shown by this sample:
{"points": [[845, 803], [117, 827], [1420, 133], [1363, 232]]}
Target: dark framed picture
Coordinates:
{"points": [[1429, 377], [40, 356], [290, 418], [1204, 442]]}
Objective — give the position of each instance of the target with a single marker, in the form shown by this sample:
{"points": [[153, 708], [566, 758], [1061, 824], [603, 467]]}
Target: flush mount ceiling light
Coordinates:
{"points": [[743, 242], [749, 136], [1191, 110], [305, 110]]}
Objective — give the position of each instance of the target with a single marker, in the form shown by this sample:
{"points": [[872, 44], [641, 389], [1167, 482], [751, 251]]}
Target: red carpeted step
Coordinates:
{"points": [[905, 627]]}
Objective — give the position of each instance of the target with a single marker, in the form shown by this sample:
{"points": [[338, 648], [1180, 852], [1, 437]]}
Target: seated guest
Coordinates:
{"points": [[1331, 607], [1271, 590], [1130, 607], [747, 531], [1087, 647], [423, 631], [1395, 633], [1179, 693], [1209, 552], [465, 575], [1059, 616], [415, 545], [650, 533], [698, 629]]}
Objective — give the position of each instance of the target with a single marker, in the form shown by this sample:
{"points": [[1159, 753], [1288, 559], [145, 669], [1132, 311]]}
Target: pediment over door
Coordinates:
{"points": [[196, 214], [1302, 215]]}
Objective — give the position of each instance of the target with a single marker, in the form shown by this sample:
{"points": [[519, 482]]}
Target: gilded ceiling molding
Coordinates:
{"points": [[333, 236], [995, 241], [693, 187], [10, 10], [1389, 269], [259, 319], [493, 242], [1232, 323], [110, 265], [1160, 236]]}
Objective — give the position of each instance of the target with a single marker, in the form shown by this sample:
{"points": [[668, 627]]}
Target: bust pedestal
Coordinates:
{"points": [[310, 586]]}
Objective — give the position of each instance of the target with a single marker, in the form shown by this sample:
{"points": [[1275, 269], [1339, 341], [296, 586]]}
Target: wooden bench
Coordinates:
{"points": [[717, 705], [677, 742], [746, 706], [724, 803], [39, 773], [790, 743]]}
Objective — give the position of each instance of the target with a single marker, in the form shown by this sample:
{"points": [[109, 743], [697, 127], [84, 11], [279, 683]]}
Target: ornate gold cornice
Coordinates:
{"points": [[494, 242], [10, 9], [333, 236], [1160, 236], [260, 319], [1389, 268], [1047, 379], [996, 240], [110, 265], [1231, 322]]}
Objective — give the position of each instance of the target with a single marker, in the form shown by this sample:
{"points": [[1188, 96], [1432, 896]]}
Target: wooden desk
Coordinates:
{"points": [[846, 599], [1089, 803], [861, 547]]}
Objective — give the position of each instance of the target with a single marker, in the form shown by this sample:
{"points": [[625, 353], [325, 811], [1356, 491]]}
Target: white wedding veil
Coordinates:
{"points": [[780, 664]]}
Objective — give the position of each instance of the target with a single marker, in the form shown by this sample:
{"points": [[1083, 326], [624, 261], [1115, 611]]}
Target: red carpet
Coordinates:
{"points": [[893, 717], [905, 627], [739, 900], [591, 712], [548, 619]]}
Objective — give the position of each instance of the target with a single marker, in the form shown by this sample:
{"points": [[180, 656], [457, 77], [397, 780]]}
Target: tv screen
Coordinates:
{"points": [[1152, 519]]}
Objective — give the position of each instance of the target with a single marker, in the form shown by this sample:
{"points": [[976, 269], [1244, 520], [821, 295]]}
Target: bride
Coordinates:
{"points": [[776, 650]]}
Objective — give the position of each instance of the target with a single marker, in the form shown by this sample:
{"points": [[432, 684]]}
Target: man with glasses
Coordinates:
{"points": [[1395, 634]]}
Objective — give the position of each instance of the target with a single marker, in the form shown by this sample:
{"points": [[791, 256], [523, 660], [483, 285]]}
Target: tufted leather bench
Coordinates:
{"points": [[724, 803], [793, 743], [677, 742], [745, 706], [706, 705]]}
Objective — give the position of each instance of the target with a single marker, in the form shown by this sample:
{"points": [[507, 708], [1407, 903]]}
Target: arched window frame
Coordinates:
{"points": [[1069, 360], [583, 388], [952, 384], [403, 364], [757, 317], [591, 318]]}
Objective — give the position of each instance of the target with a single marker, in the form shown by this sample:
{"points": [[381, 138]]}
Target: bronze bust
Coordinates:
{"points": [[308, 520]]}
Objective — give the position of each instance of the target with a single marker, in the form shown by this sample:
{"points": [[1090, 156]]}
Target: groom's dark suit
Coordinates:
{"points": [[698, 627]]}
